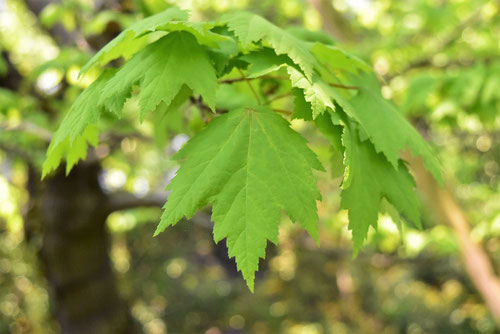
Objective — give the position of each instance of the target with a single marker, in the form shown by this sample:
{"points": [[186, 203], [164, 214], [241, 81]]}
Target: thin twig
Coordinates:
{"points": [[121, 200], [272, 77], [282, 111], [250, 85], [344, 86], [277, 97], [230, 81], [30, 128], [198, 103]]}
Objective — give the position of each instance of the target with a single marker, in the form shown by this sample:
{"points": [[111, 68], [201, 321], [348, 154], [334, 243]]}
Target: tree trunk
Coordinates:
{"points": [[446, 209], [74, 252], [333, 22]]}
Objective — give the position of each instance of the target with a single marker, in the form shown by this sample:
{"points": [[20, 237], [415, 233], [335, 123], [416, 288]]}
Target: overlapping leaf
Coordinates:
{"points": [[368, 178], [169, 119], [316, 91], [264, 61], [250, 28], [134, 38], [384, 125], [78, 127], [161, 69], [250, 165], [373, 178], [379, 120], [125, 43]]}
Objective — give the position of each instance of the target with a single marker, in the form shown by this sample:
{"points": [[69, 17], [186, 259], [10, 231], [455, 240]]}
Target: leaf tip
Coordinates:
{"points": [[250, 283], [46, 169], [317, 241], [314, 233], [355, 252], [159, 229], [438, 176], [418, 224], [84, 70], [358, 243], [248, 276]]}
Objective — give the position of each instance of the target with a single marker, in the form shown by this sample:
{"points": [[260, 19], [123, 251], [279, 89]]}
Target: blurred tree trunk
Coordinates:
{"points": [[334, 23], [446, 209], [67, 215], [74, 251]]}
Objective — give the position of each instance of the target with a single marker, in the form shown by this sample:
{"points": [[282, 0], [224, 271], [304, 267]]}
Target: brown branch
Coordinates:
{"points": [[344, 86], [202, 107], [270, 77], [282, 111], [30, 128], [199, 104], [123, 200], [278, 97], [250, 86], [446, 209]]}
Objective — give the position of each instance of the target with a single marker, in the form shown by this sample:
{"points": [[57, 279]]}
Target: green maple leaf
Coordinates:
{"points": [[161, 69], [250, 28], [71, 151], [379, 120], [368, 178], [169, 119], [385, 126], [250, 165], [223, 56], [316, 91], [301, 108], [126, 44], [264, 61], [373, 178], [331, 127], [78, 127], [132, 39]]}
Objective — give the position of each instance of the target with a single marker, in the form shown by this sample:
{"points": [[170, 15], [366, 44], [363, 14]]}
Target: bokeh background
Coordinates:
{"points": [[438, 61]]}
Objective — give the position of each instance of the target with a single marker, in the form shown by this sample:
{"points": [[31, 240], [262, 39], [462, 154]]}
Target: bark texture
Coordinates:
{"points": [[71, 214]]}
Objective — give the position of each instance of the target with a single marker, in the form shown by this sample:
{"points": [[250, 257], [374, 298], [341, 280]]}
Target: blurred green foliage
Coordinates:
{"points": [[439, 63]]}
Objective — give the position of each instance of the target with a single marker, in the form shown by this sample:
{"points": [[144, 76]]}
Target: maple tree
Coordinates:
{"points": [[248, 163]]}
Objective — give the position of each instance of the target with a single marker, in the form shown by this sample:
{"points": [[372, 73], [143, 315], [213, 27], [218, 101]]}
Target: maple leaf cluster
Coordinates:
{"points": [[248, 163]]}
